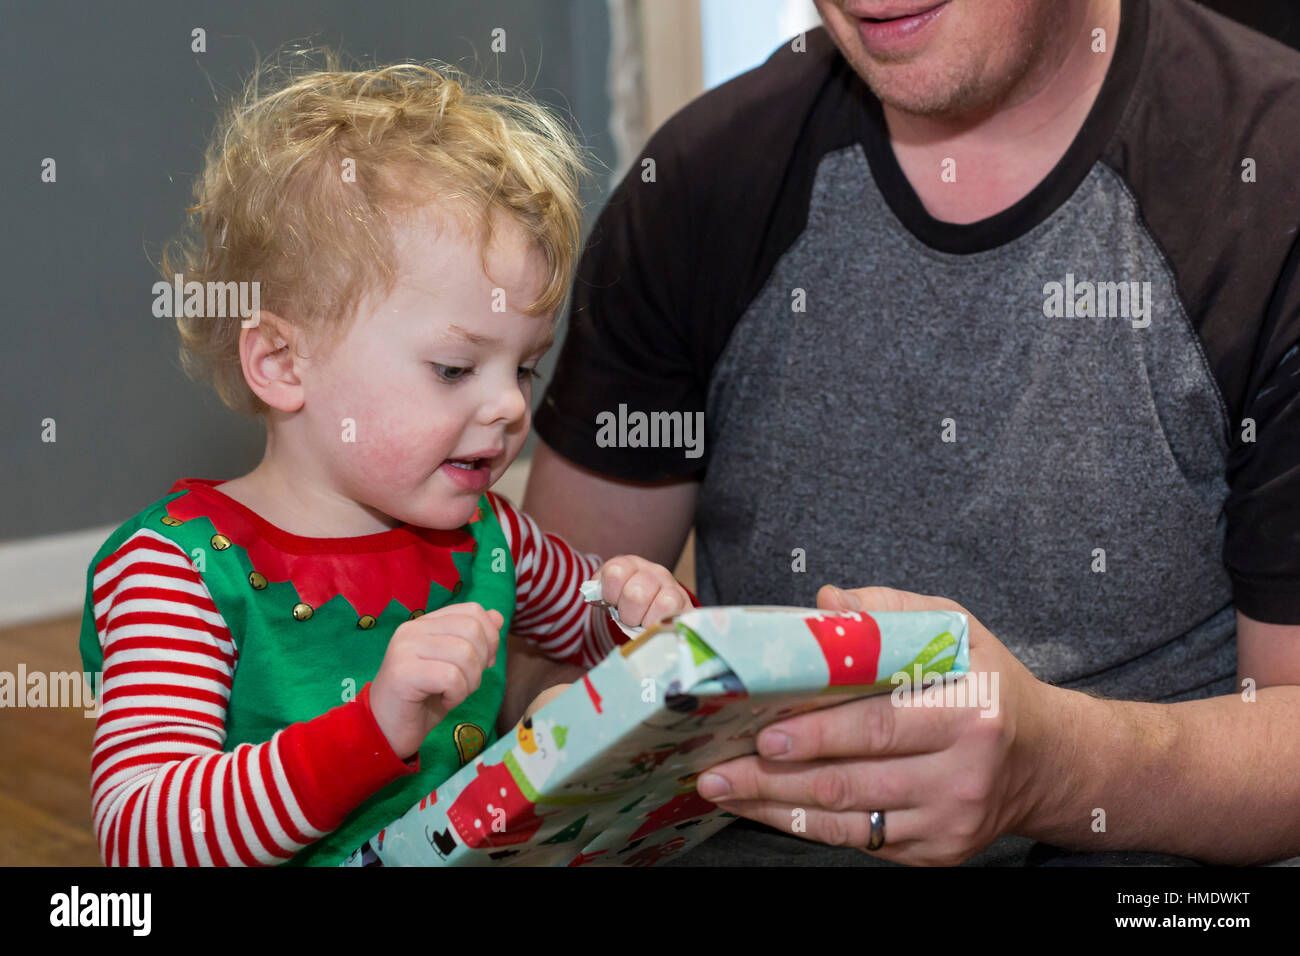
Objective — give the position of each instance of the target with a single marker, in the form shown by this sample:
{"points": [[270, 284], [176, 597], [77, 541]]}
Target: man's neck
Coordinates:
{"points": [[971, 167]]}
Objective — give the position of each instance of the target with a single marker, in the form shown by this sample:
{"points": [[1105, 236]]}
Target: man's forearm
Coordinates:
{"points": [[1215, 780], [528, 673]]}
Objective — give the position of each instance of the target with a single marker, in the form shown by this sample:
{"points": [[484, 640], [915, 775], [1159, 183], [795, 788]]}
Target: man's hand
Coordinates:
{"points": [[951, 780]]}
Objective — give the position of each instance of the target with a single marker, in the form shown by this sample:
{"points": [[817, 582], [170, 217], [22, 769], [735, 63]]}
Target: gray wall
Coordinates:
{"points": [[114, 94]]}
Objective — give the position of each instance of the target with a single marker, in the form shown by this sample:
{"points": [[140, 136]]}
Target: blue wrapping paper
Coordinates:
{"points": [[605, 774]]}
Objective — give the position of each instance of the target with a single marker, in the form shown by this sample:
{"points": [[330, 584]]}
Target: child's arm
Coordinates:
{"points": [[162, 790], [549, 609]]}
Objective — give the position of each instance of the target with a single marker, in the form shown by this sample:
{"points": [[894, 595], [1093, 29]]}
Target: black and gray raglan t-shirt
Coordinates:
{"points": [[1079, 418]]}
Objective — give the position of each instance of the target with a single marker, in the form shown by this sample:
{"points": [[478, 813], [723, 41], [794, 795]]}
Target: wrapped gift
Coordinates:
{"points": [[604, 775]]}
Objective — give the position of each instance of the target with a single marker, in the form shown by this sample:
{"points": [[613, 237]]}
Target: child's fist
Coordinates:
{"points": [[643, 592], [432, 664]]}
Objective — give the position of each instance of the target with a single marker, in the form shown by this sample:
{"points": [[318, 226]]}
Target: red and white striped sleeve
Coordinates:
{"points": [[163, 792], [549, 609]]}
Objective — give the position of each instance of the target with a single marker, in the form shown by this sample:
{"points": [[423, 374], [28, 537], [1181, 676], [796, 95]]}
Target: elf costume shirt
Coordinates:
{"points": [[236, 727]]}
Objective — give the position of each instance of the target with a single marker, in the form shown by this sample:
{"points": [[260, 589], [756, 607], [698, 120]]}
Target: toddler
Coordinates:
{"points": [[294, 657]]}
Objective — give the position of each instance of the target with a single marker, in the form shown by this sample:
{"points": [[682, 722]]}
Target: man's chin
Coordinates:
{"points": [[910, 88]]}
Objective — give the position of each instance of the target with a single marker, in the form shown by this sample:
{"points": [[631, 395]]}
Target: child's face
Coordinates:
{"points": [[441, 369]]}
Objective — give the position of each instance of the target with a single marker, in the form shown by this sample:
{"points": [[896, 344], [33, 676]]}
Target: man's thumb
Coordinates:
{"points": [[832, 598]]}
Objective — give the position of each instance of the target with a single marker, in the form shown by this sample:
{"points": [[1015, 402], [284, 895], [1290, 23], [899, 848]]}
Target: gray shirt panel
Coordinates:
{"points": [[1077, 440]]}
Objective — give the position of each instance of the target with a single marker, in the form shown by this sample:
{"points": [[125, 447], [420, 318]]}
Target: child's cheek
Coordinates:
{"points": [[368, 437]]}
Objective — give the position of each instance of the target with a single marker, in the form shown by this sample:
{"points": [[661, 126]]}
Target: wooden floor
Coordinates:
{"points": [[45, 758], [45, 752]]}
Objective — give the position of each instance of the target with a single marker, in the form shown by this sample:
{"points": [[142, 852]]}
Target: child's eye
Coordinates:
{"points": [[530, 373], [450, 373]]}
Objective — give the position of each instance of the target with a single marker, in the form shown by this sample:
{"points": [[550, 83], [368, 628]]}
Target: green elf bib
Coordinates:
{"points": [[312, 628]]}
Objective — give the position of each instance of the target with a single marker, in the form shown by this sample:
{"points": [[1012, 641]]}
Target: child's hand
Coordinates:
{"points": [[643, 592], [545, 697], [432, 664]]}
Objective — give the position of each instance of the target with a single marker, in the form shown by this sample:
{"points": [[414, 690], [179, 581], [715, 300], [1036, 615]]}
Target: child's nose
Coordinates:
{"points": [[507, 404]]}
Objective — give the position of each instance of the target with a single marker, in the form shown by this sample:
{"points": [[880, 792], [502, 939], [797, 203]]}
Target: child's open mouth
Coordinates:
{"points": [[473, 474]]}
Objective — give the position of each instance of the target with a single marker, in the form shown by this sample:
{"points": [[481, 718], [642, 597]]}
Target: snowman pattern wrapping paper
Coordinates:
{"points": [[604, 775]]}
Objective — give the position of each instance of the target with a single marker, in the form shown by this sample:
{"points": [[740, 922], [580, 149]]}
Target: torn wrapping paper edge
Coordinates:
{"points": [[592, 593], [605, 774]]}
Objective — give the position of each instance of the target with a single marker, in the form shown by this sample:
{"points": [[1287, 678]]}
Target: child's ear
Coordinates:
{"points": [[268, 352]]}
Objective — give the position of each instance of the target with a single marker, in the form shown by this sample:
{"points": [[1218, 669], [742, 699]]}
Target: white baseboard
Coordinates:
{"points": [[46, 577]]}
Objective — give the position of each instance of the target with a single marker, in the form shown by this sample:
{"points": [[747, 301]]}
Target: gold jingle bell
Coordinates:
{"points": [[469, 740]]}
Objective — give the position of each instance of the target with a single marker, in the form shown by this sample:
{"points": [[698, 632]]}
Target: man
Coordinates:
{"points": [[995, 300]]}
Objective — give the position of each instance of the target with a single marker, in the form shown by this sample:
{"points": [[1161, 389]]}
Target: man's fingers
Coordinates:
{"points": [[861, 784], [903, 828], [868, 727], [832, 598]]}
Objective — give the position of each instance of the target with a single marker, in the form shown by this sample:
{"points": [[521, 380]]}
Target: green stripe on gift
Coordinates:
{"points": [[928, 653]]}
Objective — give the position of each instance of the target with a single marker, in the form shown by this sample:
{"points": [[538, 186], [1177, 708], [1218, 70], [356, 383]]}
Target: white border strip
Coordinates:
{"points": [[46, 577]]}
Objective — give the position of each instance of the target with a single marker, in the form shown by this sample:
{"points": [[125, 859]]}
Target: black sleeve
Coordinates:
{"points": [[1262, 546], [673, 263], [630, 339], [1233, 248]]}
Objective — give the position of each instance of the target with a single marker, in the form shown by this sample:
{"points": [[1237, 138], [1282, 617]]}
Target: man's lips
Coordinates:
{"points": [[894, 11], [886, 35]]}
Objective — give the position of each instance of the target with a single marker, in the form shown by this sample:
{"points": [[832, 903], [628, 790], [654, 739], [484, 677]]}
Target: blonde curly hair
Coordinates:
{"points": [[273, 204]]}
